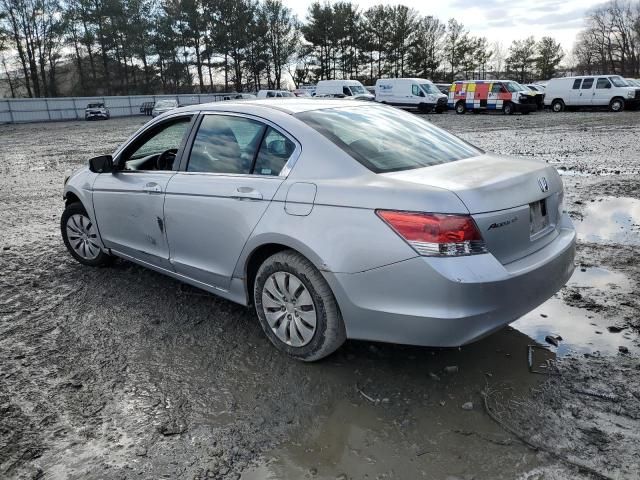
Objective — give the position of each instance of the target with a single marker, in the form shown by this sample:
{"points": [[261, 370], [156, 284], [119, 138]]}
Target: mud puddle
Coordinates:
{"points": [[610, 220], [580, 330], [408, 418]]}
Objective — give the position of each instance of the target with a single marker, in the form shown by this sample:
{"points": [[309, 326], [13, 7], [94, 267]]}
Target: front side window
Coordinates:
{"points": [[576, 83], [274, 153], [415, 90], [270, 94], [497, 88], [156, 149], [346, 91], [587, 83], [387, 140], [603, 83], [225, 144]]}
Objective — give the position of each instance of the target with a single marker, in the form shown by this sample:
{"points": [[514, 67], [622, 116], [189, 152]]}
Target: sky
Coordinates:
{"points": [[498, 20]]}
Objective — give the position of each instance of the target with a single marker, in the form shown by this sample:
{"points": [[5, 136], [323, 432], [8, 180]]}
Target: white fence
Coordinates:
{"points": [[24, 110]]}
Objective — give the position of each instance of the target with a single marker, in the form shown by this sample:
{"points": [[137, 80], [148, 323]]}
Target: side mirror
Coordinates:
{"points": [[101, 164]]}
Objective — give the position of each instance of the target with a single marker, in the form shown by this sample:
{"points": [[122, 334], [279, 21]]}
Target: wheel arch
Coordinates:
{"points": [[260, 248]]}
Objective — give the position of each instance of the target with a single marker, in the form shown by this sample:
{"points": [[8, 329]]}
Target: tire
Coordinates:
{"points": [[461, 108], [557, 106], [508, 109], [75, 222], [616, 104], [277, 286]]}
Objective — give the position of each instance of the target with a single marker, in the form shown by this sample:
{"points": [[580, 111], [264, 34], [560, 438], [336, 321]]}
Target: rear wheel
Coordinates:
{"points": [[80, 236], [296, 307], [461, 108], [557, 106], [616, 104]]}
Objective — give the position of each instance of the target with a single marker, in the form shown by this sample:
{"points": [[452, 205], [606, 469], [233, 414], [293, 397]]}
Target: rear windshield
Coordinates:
{"points": [[95, 105], [166, 103], [385, 139]]}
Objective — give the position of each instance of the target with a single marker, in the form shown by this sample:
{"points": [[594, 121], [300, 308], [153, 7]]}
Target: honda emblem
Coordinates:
{"points": [[544, 186]]}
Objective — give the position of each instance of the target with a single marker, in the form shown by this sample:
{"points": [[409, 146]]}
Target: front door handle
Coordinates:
{"points": [[152, 187], [246, 193]]}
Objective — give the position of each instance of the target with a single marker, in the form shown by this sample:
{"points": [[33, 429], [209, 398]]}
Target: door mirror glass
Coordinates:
{"points": [[101, 164]]}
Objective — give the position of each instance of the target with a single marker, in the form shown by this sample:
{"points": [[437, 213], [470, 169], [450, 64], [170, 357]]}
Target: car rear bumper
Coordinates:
{"points": [[448, 302]]}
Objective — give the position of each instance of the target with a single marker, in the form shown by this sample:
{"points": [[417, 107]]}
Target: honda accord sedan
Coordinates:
{"points": [[333, 219]]}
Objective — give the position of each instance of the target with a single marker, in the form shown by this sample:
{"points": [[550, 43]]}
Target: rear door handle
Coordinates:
{"points": [[152, 187], [246, 193]]}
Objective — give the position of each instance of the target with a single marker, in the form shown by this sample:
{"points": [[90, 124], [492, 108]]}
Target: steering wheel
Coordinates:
{"points": [[165, 159]]}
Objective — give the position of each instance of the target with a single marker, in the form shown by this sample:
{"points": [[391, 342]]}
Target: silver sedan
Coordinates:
{"points": [[334, 219]]}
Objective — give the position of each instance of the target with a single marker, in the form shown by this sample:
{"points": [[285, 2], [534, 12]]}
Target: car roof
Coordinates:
{"points": [[287, 105]]}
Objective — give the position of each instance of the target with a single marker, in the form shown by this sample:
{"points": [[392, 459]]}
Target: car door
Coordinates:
{"points": [[586, 92], [129, 202], [601, 95], [234, 168], [575, 94]]}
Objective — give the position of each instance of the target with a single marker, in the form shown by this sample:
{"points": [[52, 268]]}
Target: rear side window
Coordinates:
{"points": [[387, 140], [274, 153], [587, 83], [576, 83], [225, 144]]}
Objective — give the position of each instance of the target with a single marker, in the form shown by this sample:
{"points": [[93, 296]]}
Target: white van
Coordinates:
{"points": [[411, 93], [611, 91], [274, 94], [343, 89]]}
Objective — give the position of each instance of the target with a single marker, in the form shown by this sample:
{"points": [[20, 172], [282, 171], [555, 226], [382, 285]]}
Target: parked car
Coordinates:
{"points": [[352, 89], [415, 93], [633, 82], [443, 87], [275, 94], [538, 92], [502, 95], [333, 219], [610, 91], [164, 106], [146, 108], [95, 111]]}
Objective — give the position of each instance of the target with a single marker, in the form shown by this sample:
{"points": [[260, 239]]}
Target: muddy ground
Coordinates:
{"points": [[122, 373]]}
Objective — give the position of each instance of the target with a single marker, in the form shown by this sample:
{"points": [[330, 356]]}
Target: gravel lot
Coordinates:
{"points": [[121, 372]]}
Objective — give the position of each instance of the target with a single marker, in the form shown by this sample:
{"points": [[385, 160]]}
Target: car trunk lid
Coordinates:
{"points": [[513, 201]]}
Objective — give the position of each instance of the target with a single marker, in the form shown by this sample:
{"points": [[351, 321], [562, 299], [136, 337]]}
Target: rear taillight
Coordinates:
{"points": [[436, 234]]}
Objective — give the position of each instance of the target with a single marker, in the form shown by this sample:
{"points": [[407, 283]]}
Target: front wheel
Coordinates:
{"points": [[616, 105], [296, 307], [80, 236], [461, 108]]}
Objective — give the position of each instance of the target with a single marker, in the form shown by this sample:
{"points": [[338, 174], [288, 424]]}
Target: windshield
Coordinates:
{"points": [[387, 140], [357, 89], [619, 81], [515, 87], [429, 88], [166, 103]]}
